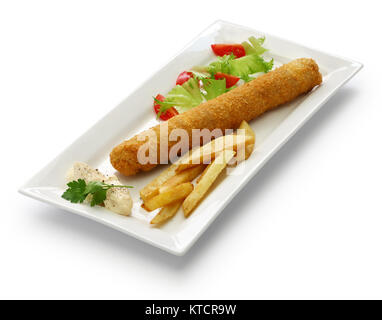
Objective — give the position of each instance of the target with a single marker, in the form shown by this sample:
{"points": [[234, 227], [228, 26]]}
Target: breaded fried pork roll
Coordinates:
{"points": [[227, 111]]}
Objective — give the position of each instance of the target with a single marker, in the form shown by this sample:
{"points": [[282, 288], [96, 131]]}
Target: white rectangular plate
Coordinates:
{"points": [[272, 130]]}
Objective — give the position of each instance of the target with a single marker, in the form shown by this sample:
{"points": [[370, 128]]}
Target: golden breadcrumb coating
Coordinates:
{"points": [[228, 110]]}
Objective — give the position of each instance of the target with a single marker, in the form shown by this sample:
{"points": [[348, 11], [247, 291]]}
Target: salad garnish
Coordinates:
{"points": [[163, 115], [184, 77], [234, 62], [221, 50]]}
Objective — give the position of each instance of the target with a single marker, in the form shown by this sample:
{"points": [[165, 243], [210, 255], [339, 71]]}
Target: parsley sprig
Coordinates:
{"points": [[78, 191]]}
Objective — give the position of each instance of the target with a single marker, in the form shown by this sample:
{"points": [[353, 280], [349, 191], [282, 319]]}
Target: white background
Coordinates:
{"points": [[309, 225]]}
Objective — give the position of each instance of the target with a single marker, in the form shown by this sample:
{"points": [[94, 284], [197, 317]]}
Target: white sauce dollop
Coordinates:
{"points": [[117, 200]]}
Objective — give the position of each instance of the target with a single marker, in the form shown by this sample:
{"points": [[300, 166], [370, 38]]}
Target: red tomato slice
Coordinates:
{"points": [[223, 49], [160, 97], [166, 115], [169, 114], [229, 80], [184, 77]]}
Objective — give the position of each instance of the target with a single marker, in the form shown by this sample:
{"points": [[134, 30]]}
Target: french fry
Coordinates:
{"points": [[167, 212], [203, 173], [181, 177], [197, 156], [152, 189], [248, 132], [210, 150], [212, 172], [172, 195]]}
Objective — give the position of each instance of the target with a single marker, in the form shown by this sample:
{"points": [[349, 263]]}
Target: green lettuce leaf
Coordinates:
{"points": [[200, 75], [182, 97], [254, 46], [250, 64], [192, 86], [222, 64], [213, 88]]}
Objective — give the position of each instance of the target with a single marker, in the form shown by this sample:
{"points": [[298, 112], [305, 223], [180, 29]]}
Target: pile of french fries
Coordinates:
{"points": [[174, 188]]}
